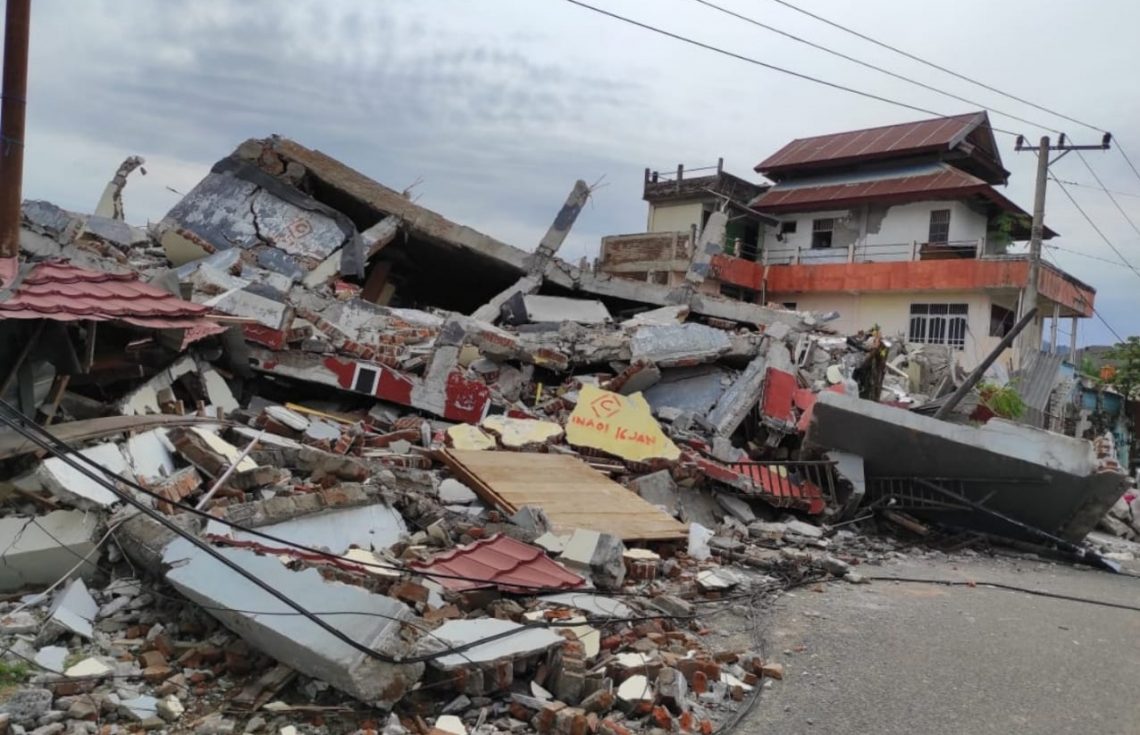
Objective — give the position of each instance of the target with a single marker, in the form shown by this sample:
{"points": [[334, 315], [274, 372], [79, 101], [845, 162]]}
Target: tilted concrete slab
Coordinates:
{"points": [[296, 640], [38, 551], [368, 527], [1046, 480]]}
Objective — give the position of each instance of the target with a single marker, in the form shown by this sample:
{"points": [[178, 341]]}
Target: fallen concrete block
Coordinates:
{"points": [[149, 456], [38, 551], [454, 492], [599, 554], [526, 642], [683, 344], [73, 609], [466, 436], [523, 308], [737, 507], [659, 489], [521, 433]]}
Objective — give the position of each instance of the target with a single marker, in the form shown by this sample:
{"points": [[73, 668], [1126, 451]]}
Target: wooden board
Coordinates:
{"points": [[572, 494]]}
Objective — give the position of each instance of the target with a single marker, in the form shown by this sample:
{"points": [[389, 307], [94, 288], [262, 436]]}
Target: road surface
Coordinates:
{"points": [[889, 658]]}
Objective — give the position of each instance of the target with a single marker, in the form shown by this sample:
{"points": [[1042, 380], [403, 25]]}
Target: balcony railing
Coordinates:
{"points": [[877, 253]]}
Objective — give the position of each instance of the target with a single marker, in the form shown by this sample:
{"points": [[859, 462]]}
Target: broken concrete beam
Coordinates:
{"points": [[710, 243], [38, 551], [740, 399], [537, 263], [528, 308], [293, 639], [683, 344]]}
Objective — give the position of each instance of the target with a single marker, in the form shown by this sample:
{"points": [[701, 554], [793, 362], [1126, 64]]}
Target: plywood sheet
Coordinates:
{"points": [[572, 494]]}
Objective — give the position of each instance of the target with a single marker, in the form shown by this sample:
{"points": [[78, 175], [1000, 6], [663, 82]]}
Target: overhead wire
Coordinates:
{"points": [[1094, 225], [240, 570], [869, 65], [1103, 188], [765, 64], [939, 67]]}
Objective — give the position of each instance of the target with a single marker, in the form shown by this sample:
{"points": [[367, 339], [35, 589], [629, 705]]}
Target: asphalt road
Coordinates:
{"points": [[889, 658]]}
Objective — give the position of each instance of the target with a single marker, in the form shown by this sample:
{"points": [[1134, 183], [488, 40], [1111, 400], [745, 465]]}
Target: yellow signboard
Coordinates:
{"points": [[620, 425]]}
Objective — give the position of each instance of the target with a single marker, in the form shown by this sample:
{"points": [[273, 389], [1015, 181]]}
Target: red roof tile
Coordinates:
{"points": [[855, 145], [503, 562], [63, 292]]}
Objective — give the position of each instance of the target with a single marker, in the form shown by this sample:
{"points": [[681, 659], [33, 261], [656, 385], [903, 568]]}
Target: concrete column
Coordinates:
{"points": [[1053, 329], [1073, 339]]}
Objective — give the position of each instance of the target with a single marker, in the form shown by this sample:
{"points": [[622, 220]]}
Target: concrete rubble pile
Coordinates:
{"points": [[413, 479]]}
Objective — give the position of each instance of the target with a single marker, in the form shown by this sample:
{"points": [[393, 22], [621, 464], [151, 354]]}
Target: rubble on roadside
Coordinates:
{"points": [[504, 510]]}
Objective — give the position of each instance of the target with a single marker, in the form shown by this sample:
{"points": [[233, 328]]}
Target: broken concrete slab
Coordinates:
{"points": [[466, 436], [39, 551], [599, 554], [740, 399], [590, 602], [149, 455], [454, 492], [737, 507], [619, 425], [521, 433], [73, 609], [375, 526], [659, 489], [523, 308], [74, 487], [526, 642], [696, 389], [1001, 463], [293, 639]]}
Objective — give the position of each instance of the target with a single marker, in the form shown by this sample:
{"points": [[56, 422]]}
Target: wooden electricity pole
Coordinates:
{"points": [[17, 19], [1030, 340]]}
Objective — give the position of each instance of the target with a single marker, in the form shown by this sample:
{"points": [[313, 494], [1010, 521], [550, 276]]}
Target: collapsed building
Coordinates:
{"points": [[471, 487]]}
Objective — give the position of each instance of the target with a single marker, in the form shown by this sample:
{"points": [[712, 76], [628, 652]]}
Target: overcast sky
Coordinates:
{"points": [[496, 110]]}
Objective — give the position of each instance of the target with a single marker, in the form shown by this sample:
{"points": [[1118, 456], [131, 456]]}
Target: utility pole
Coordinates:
{"points": [[1030, 340], [17, 19]]}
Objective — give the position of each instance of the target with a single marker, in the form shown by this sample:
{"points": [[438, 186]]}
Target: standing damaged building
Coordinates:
{"points": [[308, 453]]}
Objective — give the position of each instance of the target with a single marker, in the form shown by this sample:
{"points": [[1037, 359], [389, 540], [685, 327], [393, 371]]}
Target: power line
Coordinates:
{"points": [[933, 65], [1084, 255], [868, 65], [1128, 160], [1094, 226], [1109, 193], [765, 64], [1096, 313], [1083, 185]]}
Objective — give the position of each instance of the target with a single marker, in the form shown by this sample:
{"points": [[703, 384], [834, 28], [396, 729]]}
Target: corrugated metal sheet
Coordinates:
{"points": [[946, 181], [857, 145], [503, 562], [60, 291], [1035, 384]]}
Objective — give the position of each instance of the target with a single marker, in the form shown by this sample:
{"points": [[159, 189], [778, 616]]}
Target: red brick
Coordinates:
{"points": [[662, 718]]}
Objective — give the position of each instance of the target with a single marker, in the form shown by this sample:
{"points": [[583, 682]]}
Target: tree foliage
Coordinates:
{"points": [[1125, 357]]}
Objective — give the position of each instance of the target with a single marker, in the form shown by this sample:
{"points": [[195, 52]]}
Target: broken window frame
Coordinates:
{"points": [[939, 324], [822, 231], [939, 231], [1001, 320]]}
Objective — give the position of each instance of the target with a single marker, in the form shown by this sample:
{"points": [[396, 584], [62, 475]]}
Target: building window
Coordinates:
{"points": [[788, 228], [1001, 320], [790, 306], [938, 324], [739, 293], [939, 226], [821, 232], [366, 379]]}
